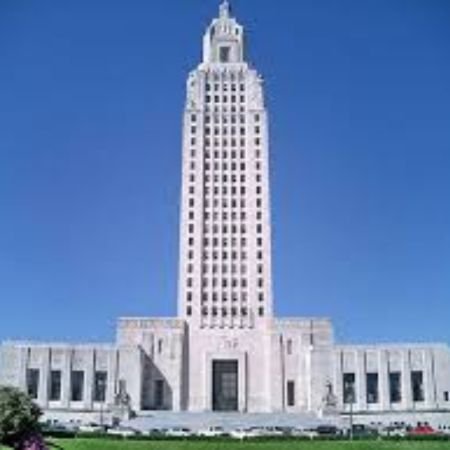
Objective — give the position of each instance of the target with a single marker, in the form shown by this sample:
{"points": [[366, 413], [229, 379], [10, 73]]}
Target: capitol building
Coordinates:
{"points": [[225, 351]]}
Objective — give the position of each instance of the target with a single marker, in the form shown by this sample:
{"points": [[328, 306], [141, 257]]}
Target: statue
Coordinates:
{"points": [[329, 401], [122, 404]]}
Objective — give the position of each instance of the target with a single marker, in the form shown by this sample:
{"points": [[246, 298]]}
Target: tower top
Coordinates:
{"points": [[224, 39], [224, 9]]}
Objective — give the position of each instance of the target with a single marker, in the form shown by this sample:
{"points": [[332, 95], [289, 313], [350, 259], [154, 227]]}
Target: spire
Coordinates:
{"points": [[225, 9]]}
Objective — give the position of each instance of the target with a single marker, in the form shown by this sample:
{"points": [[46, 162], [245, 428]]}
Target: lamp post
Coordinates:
{"points": [[350, 399]]}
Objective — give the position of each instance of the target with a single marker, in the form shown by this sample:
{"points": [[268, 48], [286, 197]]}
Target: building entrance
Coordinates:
{"points": [[225, 385]]}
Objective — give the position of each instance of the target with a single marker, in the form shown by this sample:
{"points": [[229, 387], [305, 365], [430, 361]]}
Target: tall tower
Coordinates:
{"points": [[225, 238]]}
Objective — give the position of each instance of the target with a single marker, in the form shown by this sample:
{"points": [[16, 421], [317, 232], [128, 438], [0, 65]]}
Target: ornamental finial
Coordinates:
{"points": [[225, 9]]}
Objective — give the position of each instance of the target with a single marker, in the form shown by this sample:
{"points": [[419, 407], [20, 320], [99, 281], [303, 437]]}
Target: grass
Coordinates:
{"points": [[99, 444]]}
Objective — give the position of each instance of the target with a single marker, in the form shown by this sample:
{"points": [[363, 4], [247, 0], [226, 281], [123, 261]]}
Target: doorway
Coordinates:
{"points": [[225, 385]]}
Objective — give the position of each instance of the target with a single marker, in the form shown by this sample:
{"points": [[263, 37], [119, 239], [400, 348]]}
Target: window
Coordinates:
{"points": [[55, 385], [261, 311], [224, 54], [33, 383], [395, 387], [372, 387], [417, 386], [348, 383], [189, 311], [160, 346], [100, 383], [77, 385], [446, 396], [289, 347], [159, 394], [290, 391]]}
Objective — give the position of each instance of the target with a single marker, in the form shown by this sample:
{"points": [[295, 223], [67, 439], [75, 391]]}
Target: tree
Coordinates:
{"points": [[18, 416]]}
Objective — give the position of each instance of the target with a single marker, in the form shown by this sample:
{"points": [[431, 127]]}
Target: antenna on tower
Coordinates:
{"points": [[225, 8]]}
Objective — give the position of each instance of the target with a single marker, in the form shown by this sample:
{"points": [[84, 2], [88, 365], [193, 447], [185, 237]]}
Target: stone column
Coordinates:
{"points": [[44, 377], [383, 380], [429, 380], [242, 381], [407, 399], [66, 378], [89, 379], [23, 366], [361, 385], [337, 382], [112, 376]]}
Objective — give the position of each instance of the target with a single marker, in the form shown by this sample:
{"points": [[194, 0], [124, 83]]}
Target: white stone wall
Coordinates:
{"points": [[162, 342], [119, 363], [431, 360]]}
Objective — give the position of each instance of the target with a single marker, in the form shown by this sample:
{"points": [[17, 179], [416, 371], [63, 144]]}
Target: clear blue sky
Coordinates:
{"points": [[91, 96]]}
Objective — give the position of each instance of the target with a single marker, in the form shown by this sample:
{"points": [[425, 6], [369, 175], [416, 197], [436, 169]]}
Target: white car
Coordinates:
{"points": [[271, 431], [178, 432], [305, 433], [91, 428], [123, 431], [212, 432], [245, 433]]}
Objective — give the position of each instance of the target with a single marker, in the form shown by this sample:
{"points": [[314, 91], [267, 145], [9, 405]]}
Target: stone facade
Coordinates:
{"points": [[225, 351]]}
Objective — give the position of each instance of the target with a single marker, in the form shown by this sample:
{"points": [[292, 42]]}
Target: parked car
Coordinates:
{"points": [[123, 431], [309, 433], [245, 433], [271, 431], [328, 431], [212, 432], [423, 430], [178, 432], [363, 431], [92, 428], [394, 431], [59, 428]]}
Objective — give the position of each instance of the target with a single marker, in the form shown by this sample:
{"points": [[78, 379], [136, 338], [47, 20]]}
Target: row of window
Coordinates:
{"points": [[214, 255], [225, 178], [225, 130], [223, 109], [225, 268], [77, 380], [223, 154], [225, 312], [224, 98], [224, 215], [233, 282], [225, 142], [395, 387], [225, 190], [224, 87], [225, 75], [224, 242], [225, 166], [224, 203], [214, 296], [220, 118], [225, 282]]}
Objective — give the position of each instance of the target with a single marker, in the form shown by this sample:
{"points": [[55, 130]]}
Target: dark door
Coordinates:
{"points": [[225, 385]]}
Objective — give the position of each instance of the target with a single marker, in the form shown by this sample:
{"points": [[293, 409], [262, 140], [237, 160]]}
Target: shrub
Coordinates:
{"points": [[18, 416]]}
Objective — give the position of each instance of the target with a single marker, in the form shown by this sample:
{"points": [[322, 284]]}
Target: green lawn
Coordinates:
{"points": [[92, 444]]}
